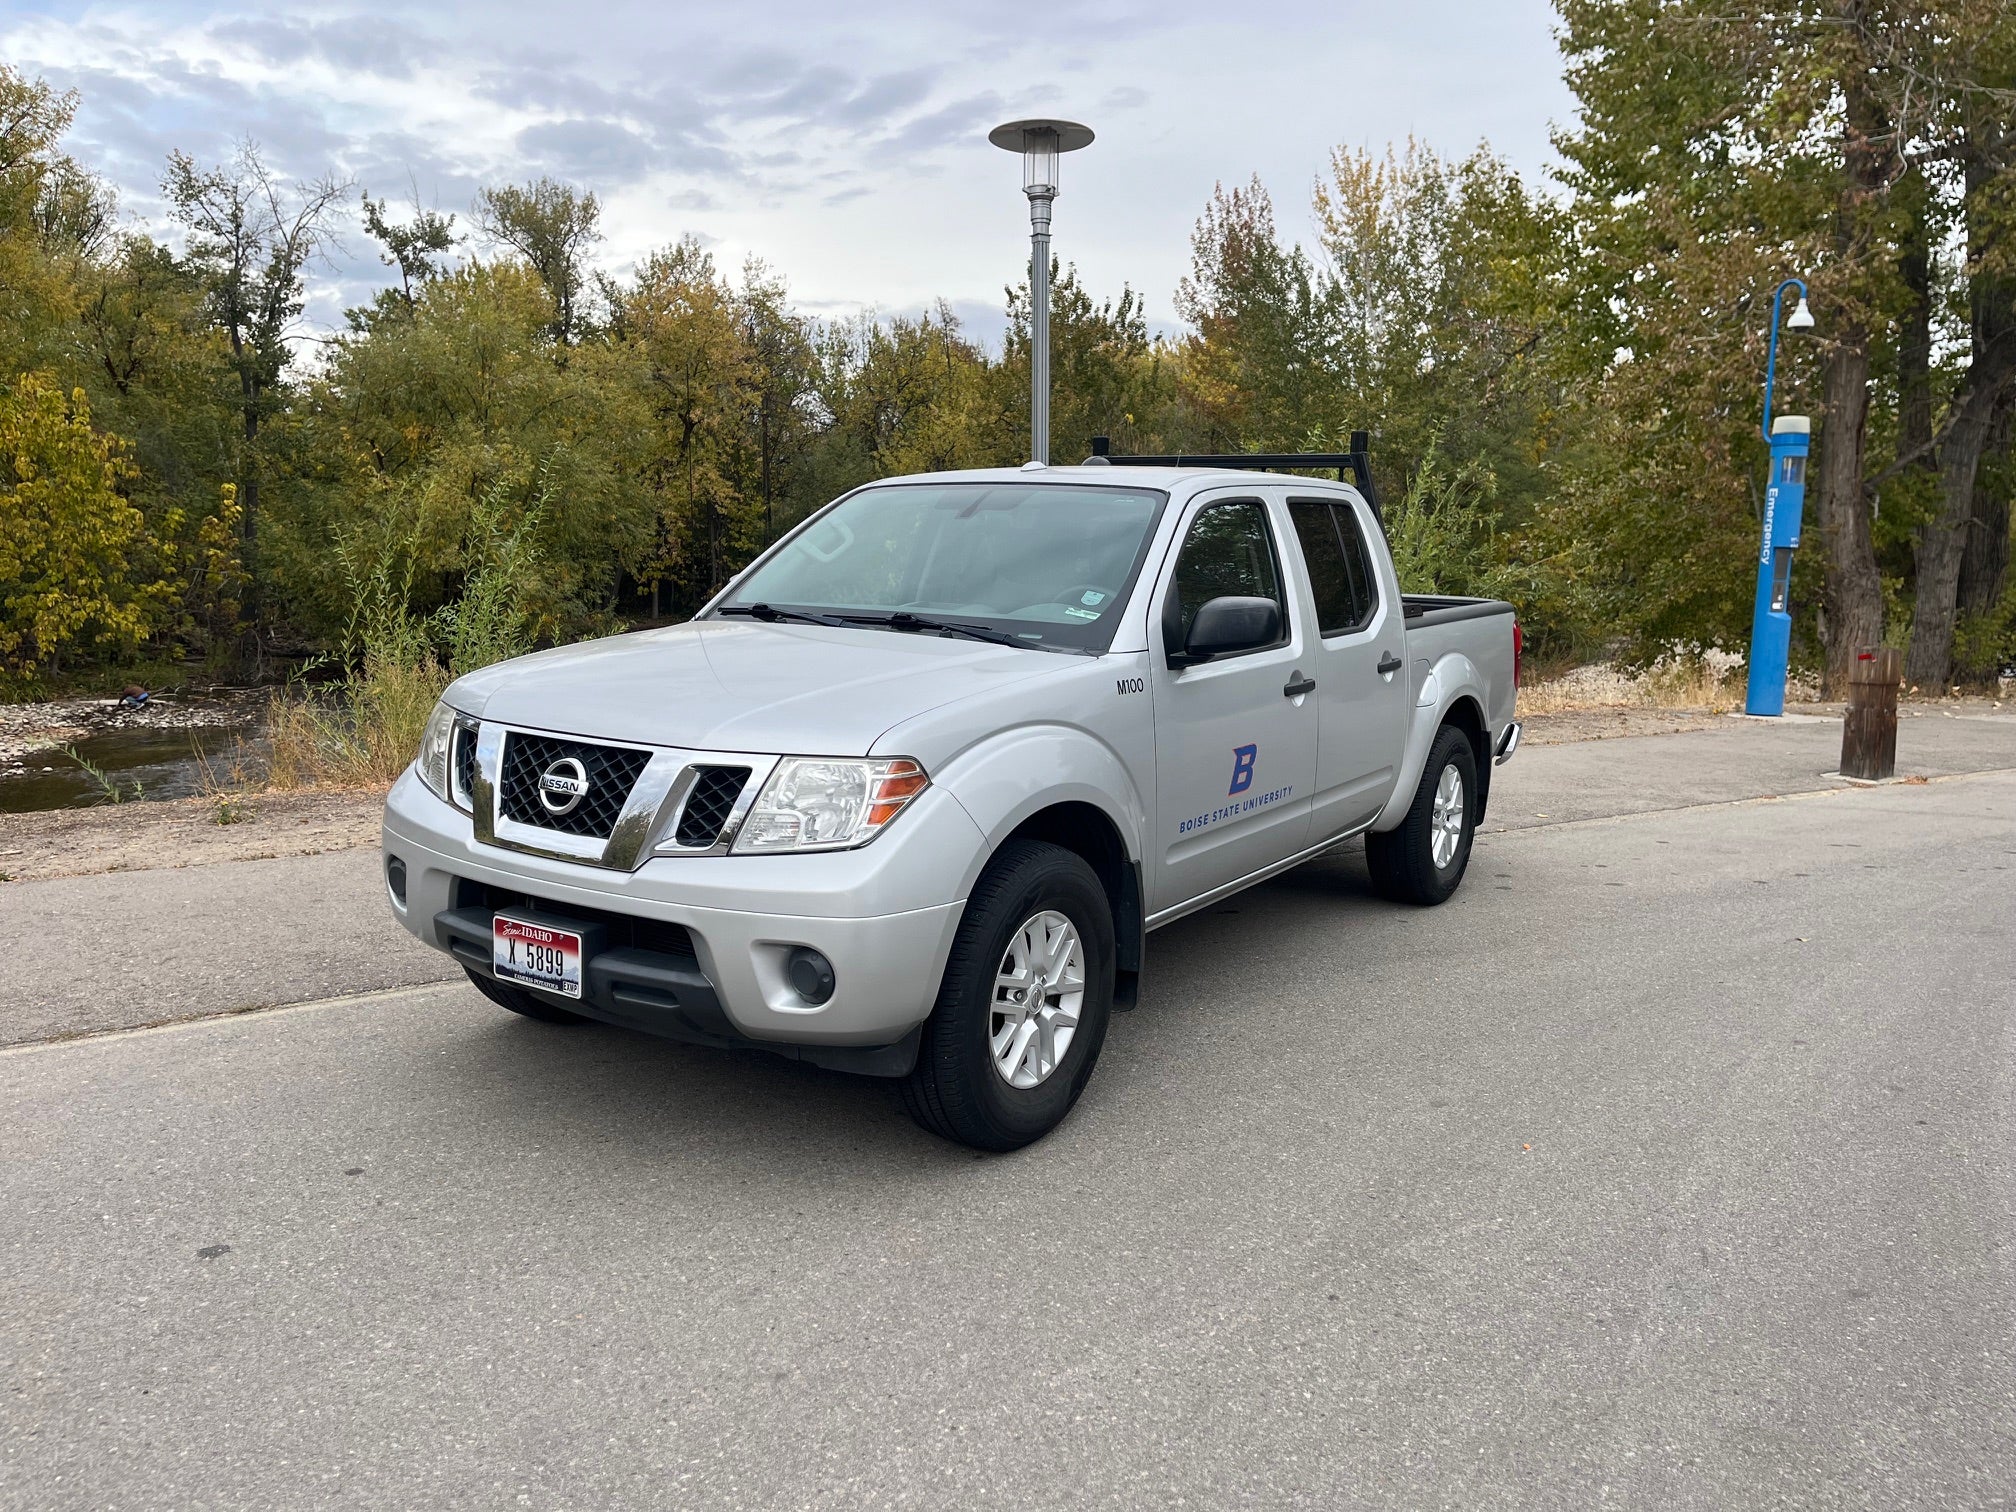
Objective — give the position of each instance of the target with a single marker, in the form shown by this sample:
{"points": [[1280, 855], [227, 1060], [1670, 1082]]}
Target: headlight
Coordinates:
{"points": [[435, 741], [814, 803]]}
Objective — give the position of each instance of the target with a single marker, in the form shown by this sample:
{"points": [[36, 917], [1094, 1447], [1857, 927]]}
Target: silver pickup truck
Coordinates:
{"points": [[908, 797]]}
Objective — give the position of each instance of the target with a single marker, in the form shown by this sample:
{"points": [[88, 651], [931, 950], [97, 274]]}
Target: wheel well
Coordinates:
{"points": [[1084, 829], [1464, 715]]}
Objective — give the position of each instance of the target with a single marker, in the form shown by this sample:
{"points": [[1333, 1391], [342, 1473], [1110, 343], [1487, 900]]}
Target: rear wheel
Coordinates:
{"points": [[1423, 860], [1022, 1011], [519, 1001]]}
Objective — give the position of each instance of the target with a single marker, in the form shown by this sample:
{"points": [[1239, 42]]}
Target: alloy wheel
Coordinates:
{"points": [[1039, 992]]}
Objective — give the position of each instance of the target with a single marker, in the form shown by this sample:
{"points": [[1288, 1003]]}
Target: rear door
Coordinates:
{"points": [[1235, 753], [1357, 657]]}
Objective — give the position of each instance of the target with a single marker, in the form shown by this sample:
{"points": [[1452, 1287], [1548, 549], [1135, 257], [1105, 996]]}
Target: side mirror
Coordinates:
{"points": [[1229, 624]]}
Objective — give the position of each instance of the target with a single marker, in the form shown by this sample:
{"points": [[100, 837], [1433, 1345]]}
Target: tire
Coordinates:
{"points": [[1403, 861], [972, 1084], [520, 1001]]}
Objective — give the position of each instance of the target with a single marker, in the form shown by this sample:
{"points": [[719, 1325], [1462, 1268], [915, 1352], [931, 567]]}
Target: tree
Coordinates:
{"points": [[552, 227], [1255, 364], [1106, 377], [417, 249], [251, 241], [700, 379], [415, 427], [1968, 61], [34, 285], [903, 395], [779, 428], [1816, 135], [68, 536]]}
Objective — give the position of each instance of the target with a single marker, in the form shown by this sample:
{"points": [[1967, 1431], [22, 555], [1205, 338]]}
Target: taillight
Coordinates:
{"points": [[1518, 649]]}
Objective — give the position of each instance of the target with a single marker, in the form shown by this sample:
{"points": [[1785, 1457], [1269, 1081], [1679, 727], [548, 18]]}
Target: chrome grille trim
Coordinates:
{"points": [[648, 823]]}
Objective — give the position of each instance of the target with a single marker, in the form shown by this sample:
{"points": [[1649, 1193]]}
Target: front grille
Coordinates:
{"points": [[611, 771], [623, 930], [709, 804], [465, 764]]}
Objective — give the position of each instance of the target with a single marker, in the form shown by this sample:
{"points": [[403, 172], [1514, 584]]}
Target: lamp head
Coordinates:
{"points": [[1801, 318], [1041, 143]]}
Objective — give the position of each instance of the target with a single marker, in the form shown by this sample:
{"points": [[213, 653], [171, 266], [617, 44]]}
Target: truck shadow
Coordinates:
{"points": [[645, 1104]]}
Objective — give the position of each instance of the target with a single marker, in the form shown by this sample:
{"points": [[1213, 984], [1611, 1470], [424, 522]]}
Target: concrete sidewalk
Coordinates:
{"points": [[135, 948]]}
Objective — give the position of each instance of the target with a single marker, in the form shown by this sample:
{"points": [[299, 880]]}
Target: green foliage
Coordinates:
{"points": [[509, 447], [68, 536], [552, 226], [488, 623]]}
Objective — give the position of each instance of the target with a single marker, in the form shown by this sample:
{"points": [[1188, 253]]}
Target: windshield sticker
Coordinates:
{"points": [[1092, 597]]}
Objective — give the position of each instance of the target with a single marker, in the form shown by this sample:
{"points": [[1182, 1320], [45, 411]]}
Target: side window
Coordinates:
{"points": [[1340, 567], [1229, 551], [1329, 573], [1364, 581]]}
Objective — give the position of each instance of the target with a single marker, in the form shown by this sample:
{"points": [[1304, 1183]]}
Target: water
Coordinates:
{"points": [[164, 762]]}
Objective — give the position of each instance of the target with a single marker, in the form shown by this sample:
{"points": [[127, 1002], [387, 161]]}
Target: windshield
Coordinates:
{"points": [[1047, 565]]}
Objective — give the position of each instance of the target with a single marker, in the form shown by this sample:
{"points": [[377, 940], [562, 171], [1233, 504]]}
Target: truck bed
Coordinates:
{"points": [[1423, 609]]}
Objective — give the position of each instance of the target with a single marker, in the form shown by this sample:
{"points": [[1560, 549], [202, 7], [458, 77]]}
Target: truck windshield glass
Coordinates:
{"points": [[1046, 564]]}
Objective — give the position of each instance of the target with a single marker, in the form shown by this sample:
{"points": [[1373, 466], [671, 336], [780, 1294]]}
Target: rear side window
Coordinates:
{"points": [[1340, 568], [1229, 551]]}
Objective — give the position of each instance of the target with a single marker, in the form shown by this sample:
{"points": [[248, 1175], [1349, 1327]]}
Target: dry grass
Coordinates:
{"points": [[1712, 682], [362, 735]]}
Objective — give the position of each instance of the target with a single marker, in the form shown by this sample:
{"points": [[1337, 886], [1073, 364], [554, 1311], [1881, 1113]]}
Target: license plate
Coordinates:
{"points": [[536, 956]]}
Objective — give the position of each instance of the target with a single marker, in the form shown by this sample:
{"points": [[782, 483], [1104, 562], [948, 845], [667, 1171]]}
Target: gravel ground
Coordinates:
{"points": [[185, 832]]}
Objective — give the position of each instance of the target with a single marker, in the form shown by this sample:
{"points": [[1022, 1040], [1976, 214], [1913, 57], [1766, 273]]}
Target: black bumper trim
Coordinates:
{"points": [[658, 993]]}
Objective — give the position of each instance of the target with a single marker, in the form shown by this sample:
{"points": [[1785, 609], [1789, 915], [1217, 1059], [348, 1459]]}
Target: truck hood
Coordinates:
{"points": [[739, 685]]}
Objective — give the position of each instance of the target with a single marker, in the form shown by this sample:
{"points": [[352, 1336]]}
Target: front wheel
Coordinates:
{"points": [[1022, 1011], [1423, 860]]}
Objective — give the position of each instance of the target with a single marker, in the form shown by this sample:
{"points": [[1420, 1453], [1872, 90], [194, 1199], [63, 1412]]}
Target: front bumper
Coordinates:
{"points": [[879, 914]]}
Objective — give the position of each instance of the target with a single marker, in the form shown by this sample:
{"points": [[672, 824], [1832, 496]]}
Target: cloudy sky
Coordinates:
{"points": [[844, 143]]}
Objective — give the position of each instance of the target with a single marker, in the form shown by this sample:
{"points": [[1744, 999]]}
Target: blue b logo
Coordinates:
{"points": [[1242, 768]]}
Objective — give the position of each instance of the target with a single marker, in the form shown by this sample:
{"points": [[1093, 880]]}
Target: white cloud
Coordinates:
{"points": [[845, 145]]}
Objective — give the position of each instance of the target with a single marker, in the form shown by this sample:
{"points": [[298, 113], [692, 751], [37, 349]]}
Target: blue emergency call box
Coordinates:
{"points": [[1784, 510]]}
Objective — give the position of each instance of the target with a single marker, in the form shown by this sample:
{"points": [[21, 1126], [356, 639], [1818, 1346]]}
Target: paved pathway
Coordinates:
{"points": [[136, 948], [1668, 1166]]}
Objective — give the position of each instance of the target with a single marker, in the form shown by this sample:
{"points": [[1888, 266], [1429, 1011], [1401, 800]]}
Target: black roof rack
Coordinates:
{"points": [[1354, 466]]}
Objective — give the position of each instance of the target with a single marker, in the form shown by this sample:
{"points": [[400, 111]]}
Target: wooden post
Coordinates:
{"points": [[1869, 729]]}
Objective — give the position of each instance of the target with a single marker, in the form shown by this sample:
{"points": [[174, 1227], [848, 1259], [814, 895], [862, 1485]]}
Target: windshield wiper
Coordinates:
{"points": [[770, 614], [903, 619]]}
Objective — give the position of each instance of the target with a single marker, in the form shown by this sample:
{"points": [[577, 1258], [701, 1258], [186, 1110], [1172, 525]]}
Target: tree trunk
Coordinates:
{"points": [[1914, 332], [1944, 540], [1991, 366], [1852, 588], [1984, 562]]}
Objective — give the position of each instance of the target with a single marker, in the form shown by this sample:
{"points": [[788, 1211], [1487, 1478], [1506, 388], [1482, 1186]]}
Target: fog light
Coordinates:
{"points": [[395, 878], [811, 974]]}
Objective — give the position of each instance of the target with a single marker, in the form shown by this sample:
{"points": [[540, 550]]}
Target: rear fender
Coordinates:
{"points": [[1452, 678]]}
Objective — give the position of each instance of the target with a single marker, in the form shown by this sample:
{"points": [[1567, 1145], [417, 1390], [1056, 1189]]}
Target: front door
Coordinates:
{"points": [[1358, 663], [1235, 752]]}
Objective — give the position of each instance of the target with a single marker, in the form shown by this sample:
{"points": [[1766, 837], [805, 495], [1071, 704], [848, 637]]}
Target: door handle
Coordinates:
{"points": [[1390, 663], [1298, 685]]}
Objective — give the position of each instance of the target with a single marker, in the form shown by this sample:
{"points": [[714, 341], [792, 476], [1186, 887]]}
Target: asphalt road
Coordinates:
{"points": [[1668, 1166], [131, 949]]}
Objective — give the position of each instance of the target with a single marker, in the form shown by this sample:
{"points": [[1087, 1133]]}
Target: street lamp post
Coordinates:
{"points": [[1790, 438], [1041, 143]]}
